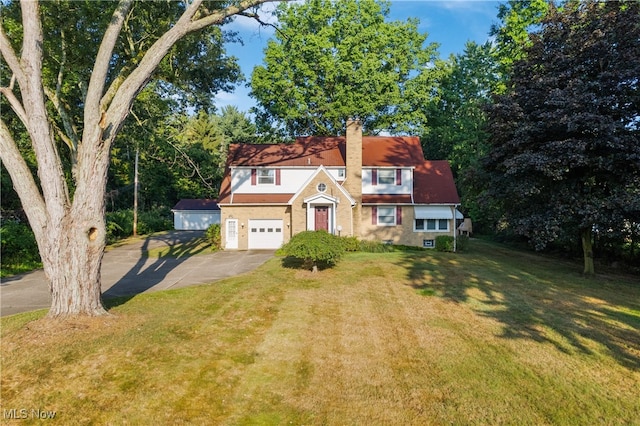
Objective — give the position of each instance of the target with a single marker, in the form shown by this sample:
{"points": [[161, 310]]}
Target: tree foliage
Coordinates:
{"points": [[335, 59], [512, 36], [565, 153]]}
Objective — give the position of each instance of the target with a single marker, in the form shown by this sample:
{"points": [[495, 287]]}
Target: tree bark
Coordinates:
{"points": [[587, 250]]}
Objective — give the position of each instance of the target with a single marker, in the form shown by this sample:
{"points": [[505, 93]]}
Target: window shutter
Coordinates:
{"points": [[277, 176], [374, 177], [374, 215], [398, 215], [254, 173], [398, 176]]}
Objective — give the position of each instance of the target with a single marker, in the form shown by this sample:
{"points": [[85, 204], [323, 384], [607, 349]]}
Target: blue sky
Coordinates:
{"points": [[449, 23]]}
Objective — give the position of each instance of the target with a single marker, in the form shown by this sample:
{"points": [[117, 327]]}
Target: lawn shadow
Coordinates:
{"points": [[174, 247], [536, 297]]}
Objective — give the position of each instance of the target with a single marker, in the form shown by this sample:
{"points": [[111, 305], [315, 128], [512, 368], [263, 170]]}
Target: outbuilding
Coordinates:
{"points": [[195, 214]]}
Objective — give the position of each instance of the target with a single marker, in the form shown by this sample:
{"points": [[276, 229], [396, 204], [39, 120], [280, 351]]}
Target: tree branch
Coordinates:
{"points": [[23, 181], [93, 108], [16, 105], [264, 24], [11, 58]]}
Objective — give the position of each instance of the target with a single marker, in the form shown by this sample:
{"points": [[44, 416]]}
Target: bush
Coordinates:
{"points": [[120, 223], [155, 220], [462, 242], [18, 244], [315, 249], [444, 243], [214, 236], [369, 246], [350, 243]]}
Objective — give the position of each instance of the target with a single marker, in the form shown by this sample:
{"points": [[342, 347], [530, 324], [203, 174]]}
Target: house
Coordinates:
{"points": [[372, 187], [195, 214]]}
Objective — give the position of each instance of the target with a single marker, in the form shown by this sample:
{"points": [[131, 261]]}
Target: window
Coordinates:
{"points": [[340, 173], [266, 176], [428, 243], [322, 187], [386, 216], [386, 177], [432, 225]]}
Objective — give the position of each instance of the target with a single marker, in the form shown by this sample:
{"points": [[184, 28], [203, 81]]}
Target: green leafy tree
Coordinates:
{"points": [[457, 116], [335, 59], [84, 101], [565, 157], [512, 36]]}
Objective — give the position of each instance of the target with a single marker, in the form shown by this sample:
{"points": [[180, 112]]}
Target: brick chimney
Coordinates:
{"points": [[353, 160]]}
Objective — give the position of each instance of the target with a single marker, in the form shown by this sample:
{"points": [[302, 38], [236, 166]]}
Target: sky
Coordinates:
{"points": [[449, 23]]}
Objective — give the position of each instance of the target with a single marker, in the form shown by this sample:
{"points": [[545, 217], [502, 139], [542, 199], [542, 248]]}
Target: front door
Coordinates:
{"points": [[322, 218], [232, 234]]}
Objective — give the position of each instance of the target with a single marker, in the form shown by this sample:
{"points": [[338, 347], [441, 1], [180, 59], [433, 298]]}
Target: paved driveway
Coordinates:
{"points": [[126, 272]]}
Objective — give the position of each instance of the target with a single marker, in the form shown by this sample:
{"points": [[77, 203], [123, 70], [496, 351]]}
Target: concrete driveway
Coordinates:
{"points": [[126, 272]]}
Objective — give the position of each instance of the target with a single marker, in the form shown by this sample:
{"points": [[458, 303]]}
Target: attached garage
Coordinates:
{"points": [[265, 233], [195, 214]]}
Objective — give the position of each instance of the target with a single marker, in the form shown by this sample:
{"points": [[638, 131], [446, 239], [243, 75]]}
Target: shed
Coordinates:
{"points": [[195, 214]]}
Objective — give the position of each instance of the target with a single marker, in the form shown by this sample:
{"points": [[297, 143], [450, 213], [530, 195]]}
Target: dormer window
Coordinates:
{"points": [[386, 177], [266, 176]]}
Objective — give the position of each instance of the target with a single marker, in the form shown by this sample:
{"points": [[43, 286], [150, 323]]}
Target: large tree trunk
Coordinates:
{"points": [[587, 250], [72, 262]]}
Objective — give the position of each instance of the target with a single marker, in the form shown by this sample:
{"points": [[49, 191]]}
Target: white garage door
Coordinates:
{"points": [[265, 233], [193, 220]]}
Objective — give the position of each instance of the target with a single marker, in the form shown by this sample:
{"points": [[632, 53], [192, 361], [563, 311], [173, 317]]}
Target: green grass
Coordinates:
{"points": [[491, 336]]}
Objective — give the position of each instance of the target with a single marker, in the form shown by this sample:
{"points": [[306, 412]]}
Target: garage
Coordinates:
{"points": [[195, 214], [265, 233]]}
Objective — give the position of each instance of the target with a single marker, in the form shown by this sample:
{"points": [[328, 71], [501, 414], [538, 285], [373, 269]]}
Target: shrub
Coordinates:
{"points": [[155, 220], [120, 223], [444, 243], [315, 249], [18, 244], [369, 246], [214, 236], [350, 243]]}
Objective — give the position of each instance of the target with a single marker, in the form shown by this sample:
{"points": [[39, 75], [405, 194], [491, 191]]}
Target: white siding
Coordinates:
{"points": [[290, 180], [195, 220], [406, 186]]}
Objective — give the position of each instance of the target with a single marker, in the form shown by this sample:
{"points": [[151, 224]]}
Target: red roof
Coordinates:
{"points": [[391, 151], [433, 183], [312, 151], [196, 204], [433, 180]]}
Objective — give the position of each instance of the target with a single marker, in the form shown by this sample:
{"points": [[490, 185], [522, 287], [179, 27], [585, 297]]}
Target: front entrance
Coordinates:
{"points": [[232, 234], [322, 218]]}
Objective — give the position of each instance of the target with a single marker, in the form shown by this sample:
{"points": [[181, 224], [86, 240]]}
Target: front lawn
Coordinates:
{"points": [[490, 336]]}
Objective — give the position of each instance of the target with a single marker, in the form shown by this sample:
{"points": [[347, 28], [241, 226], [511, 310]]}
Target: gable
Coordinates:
{"points": [[333, 189]]}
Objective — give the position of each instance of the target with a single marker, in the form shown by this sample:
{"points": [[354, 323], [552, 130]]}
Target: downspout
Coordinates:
{"points": [[455, 228]]}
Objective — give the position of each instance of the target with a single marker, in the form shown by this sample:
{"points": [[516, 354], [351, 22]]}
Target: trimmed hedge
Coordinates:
{"points": [[314, 249]]}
